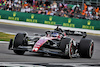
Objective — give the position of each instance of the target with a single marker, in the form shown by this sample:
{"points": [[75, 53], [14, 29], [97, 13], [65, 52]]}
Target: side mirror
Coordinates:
{"points": [[42, 35], [60, 32], [47, 32], [84, 34], [36, 34]]}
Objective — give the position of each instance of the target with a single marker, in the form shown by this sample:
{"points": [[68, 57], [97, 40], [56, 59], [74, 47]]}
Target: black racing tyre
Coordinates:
{"points": [[66, 46], [10, 44], [19, 52], [18, 41], [86, 48]]}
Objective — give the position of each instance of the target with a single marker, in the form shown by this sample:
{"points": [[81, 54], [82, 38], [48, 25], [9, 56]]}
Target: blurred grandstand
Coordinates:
{"points": [[81, 9], [94, 3]]}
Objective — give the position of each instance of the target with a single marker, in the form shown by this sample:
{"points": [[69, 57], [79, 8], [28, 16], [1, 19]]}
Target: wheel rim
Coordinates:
{"points": [[91, 50], [70, 51]]}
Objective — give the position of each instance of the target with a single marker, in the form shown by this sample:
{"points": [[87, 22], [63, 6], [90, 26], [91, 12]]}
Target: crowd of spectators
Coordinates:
{"points": [[48, 8]]}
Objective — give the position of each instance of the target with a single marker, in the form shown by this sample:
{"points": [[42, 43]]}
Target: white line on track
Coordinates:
{"points": [[4, 42], [19, 65], [15, 64]]}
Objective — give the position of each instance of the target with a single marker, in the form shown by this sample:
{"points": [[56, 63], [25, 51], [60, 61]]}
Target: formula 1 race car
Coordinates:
{"points": [[55, 42]]}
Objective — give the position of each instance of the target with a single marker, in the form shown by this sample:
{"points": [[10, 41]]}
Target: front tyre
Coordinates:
{"points": [[67, 47], [19, 52], [18, 41], [86, 48], [10, 44]]}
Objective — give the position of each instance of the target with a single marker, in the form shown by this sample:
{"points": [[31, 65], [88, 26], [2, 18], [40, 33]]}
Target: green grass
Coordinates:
{"points": [[5, 36]]}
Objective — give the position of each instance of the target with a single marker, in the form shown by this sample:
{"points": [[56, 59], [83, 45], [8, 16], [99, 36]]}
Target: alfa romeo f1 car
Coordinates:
{"points": [[54, 42]]}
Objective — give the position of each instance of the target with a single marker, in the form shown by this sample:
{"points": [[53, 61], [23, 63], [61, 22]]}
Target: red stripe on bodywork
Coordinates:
{"points": [[40, 42]]}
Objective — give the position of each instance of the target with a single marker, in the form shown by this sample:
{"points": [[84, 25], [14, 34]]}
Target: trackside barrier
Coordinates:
{"points": [[51, 20], [46, 26]]}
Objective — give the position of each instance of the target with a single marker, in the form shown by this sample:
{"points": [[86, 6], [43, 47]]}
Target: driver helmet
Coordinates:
{"points": [[54, 34]]}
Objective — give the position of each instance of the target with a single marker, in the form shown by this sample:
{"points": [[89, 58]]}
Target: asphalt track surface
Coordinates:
{"points": [[9, 56]]}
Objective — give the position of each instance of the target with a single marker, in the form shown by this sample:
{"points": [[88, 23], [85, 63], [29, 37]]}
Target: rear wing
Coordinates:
{"points": [[78, 33]]}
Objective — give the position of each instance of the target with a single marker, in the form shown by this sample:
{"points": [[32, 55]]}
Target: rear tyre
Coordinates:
{"points": [[86, 48], [67, 47], [18, 41]]}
